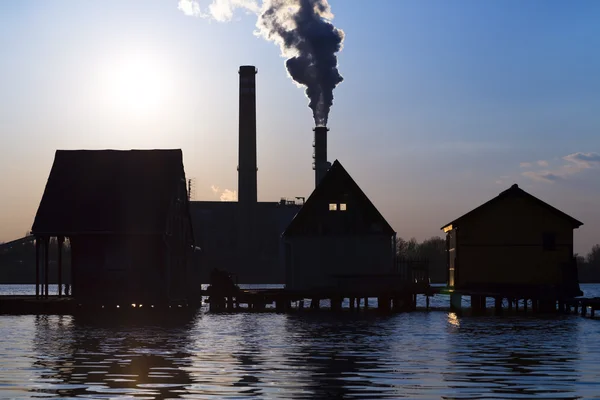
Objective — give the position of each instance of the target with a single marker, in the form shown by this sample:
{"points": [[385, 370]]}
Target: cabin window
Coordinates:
{"points": [[549, 241], [332, 207], [343, 207]]}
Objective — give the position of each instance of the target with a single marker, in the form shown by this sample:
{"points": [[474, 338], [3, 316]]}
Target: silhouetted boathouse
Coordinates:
{"points": [[339, 241], [127, 218], [515, 246]]}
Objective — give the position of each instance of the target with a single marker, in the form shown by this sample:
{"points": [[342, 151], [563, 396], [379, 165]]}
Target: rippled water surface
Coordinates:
{"points": [[422, 354]]}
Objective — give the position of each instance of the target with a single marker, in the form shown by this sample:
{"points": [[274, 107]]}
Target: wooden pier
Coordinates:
{"points": [[521, 302], [283, 300]]}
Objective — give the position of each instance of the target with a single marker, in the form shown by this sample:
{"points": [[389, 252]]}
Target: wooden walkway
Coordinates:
{"points": [[283, 300]]}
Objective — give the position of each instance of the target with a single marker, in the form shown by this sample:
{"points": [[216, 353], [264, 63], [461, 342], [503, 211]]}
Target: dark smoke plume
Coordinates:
{"points": [[306, 36]]}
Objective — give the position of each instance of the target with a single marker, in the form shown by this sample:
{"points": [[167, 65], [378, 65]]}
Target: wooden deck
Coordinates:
{"points": [[400, 299]]}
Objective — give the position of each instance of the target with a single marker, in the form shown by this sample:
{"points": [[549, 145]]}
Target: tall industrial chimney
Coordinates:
{"points": [[320, 164], [247, 136]]}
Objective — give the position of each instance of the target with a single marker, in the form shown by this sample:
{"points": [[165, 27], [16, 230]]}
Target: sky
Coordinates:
{"points": [[443, 104]]}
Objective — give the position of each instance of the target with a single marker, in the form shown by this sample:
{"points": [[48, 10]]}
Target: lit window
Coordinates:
{"points": [[332, 207], [343, 207]]}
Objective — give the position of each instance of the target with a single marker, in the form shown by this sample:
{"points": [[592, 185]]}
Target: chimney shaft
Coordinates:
{"points": [[247, 136], [320, 154]]}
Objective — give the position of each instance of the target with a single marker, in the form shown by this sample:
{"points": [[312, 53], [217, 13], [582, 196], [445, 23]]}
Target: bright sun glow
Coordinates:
{"points": [[135, 84]]}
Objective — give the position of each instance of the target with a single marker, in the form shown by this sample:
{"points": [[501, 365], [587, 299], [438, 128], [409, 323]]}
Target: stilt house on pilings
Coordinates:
{"points": [[515, 244], [339, 241], [127, 218]]}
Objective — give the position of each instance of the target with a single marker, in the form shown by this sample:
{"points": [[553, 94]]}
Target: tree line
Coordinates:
{"points": [[588, 266]]}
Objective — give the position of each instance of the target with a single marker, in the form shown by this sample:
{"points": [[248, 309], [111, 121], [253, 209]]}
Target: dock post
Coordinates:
{"points": [[366, 303], [427, 302], [498, 304], [46, 264], [351, 302], [583, 309], [510, 303], [59, 241], [315, 303], [383, 303], [397, 304], [475, 304], [413, 306], [301, 305], [592, 311], [534, 306], [455, 302], [525, 305], [37, 267], [336, 304], [358, 303]]}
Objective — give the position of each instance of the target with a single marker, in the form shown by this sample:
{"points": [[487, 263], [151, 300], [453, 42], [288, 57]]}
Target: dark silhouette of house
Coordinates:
{"points": [[126, 215], [338, 238], [513, 243]]}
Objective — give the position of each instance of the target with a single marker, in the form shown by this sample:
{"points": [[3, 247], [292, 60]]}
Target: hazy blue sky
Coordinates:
{"points": [[444, 103]]}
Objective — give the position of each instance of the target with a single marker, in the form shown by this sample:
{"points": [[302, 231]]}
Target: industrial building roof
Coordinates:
{"points": [[109, 191], [354, 213], [515, 191]]}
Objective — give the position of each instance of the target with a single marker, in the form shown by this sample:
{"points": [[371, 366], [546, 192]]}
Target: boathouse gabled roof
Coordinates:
{"points": [[514, 191], [109, 191], [337, 187]]}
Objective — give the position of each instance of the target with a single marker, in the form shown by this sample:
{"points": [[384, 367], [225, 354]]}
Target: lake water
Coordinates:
{"points": [[422, 355]]}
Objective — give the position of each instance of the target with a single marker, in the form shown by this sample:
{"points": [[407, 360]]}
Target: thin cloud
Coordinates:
{"points": [[215, 189], [542, 176], [219, 10], [576, 163], [525, 165], [584, 160]]}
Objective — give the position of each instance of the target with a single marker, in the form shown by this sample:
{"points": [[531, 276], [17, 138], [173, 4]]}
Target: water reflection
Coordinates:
{"points": [[340, 355], [314, 355], [512, 357], [108, 357]]}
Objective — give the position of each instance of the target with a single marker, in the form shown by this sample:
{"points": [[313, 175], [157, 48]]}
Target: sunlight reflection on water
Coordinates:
{"points": [[312, 355]]}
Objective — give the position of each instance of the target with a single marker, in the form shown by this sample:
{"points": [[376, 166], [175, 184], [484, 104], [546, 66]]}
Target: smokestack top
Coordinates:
{"points": [[248, 70], [320, 129]]}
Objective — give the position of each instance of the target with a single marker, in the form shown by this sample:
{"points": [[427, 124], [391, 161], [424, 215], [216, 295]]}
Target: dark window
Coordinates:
{"points": [[549, 241]]}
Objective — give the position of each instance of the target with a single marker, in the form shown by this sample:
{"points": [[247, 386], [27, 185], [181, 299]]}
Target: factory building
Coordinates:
{"points": [[246, 238], [243, 237]]}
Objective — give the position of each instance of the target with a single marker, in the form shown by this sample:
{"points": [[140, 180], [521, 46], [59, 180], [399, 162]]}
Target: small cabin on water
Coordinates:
{"points": [[127, 218], [338, 239], [514, 243]]}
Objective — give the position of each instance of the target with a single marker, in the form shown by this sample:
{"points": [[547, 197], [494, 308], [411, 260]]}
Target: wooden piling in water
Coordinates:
{"points": [[498, 305]]}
